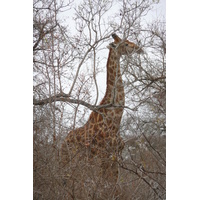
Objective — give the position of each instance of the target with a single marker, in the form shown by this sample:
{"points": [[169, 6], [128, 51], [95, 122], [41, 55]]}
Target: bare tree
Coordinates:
{"points": [[69, 56]]}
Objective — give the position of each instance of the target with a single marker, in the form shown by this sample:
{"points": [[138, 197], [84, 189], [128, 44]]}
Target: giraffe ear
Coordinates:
{"points": [[111, 45]]}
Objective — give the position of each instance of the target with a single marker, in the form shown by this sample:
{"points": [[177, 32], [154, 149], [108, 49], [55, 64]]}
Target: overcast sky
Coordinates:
{"points": [[158, 12]]}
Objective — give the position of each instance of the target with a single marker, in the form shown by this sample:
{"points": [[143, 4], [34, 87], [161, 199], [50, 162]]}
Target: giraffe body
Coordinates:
{"points": [[99, 141]]}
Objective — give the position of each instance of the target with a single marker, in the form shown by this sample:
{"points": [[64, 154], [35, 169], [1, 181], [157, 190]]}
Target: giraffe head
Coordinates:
{"points": [[124, 47]]}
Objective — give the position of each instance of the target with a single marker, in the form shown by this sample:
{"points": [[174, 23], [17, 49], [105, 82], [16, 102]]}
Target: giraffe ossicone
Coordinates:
{"points": [[100, 138]]}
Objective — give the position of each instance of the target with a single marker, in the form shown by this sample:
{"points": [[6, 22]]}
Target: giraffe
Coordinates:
{"points": [[99, 138]]}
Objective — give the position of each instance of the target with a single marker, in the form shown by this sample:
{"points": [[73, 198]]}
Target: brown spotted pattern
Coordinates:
{"points": [[99, 137]]}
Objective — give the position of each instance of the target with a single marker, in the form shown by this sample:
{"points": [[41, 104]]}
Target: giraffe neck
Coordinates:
{"points": [[115, 89]]}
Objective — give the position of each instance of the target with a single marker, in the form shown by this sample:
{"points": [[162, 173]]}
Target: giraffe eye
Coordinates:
{"points": [[126, 44]]}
